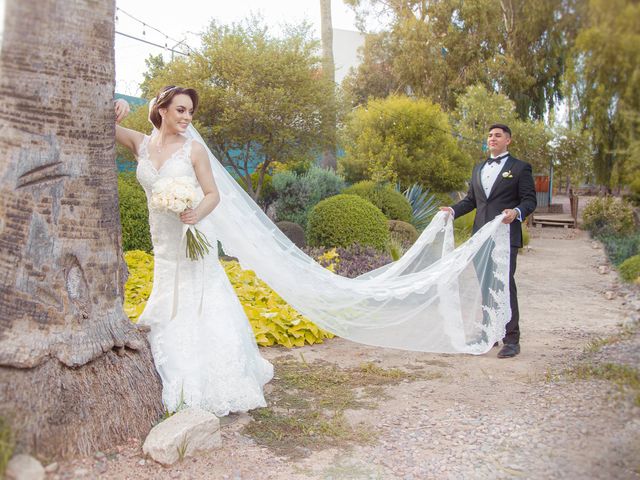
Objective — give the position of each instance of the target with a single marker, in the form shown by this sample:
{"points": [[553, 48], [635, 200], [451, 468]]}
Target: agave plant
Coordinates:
{"points": [[423, 205]]}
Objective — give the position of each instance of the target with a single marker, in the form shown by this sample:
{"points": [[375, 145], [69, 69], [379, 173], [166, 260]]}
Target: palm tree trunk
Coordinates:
{"points": [[328, 69], [75, 375]]}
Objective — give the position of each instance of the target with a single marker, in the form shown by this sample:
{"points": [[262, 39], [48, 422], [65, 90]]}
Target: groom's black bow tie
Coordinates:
{"points": [[497, 159]]}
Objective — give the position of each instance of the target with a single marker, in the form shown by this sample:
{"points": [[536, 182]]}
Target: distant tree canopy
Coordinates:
{"points": [[405, 140], [262, 97], [604, 80], [439, 48]]}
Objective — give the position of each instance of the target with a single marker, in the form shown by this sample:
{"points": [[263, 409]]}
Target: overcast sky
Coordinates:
{"points": [[183, 19]]}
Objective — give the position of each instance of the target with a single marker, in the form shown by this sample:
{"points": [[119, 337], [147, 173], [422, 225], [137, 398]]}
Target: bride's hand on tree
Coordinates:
{"points": [[189, 216], [121, 109]]}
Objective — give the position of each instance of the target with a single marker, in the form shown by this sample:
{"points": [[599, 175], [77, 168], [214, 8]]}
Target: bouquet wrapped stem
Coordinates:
{"points": [[197, 244]]}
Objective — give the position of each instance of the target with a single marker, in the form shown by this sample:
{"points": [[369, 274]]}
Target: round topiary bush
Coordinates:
{"points": [[630, 269], [403, 232], [392, 203], [293, 231], [134, 215], [344, 220], [608, 215]]}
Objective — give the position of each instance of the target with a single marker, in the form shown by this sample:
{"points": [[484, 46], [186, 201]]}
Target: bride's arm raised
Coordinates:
{"points": [[202, 167], [125, 136]]}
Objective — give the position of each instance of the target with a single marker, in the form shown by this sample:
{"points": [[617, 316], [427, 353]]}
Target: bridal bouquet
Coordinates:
{"points": [[176, 194]]}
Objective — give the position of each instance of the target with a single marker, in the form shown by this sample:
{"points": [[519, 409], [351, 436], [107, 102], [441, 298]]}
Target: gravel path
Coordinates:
{"points": [[483, 418]]}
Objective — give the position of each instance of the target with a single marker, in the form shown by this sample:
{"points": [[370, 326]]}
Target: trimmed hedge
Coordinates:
{"points": [[344, 220], [293, 231], [630, 269], [392, 203], [134, 215], [403, 232]]}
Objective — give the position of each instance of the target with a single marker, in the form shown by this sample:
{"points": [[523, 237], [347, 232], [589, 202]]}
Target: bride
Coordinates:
{"points": [[202, 343], [430, 300]]}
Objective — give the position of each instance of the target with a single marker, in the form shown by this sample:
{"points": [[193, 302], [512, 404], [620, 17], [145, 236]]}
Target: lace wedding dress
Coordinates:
{"points": [[202, 344]]}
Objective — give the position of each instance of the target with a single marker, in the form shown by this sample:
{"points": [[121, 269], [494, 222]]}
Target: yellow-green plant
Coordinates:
{"points": [[273, 320], [138, 286]]}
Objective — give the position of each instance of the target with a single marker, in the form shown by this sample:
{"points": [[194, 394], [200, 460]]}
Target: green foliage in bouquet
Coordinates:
{"points": [[273, 320], [344, 220]]}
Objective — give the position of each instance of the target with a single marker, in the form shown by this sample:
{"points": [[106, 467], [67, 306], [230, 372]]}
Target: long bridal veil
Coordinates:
{"points": [[436, 298]]}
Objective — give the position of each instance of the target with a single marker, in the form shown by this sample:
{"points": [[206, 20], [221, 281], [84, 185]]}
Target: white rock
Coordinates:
{"points": [[609, 295], [24, 467], [51, 468], [189, 432], [603, 269]]}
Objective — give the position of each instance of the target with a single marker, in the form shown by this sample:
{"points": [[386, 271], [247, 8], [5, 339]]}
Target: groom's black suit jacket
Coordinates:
{"points": [[513, 188]]}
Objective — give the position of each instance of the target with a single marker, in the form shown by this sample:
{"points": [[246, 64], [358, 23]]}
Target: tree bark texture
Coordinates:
{"points": [[75, 374]]}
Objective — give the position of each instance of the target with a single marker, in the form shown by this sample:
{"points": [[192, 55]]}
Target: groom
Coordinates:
{"points": [[501, 184]]}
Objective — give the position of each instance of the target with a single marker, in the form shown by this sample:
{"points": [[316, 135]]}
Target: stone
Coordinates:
{"points": [[24, 467], [609, 295], [603, 269], [52, 468], [187, 433]]}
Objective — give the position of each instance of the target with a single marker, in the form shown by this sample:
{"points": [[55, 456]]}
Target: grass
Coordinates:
{"points": [[307, 405], [596, 344], [7, 444], [627, 378]]}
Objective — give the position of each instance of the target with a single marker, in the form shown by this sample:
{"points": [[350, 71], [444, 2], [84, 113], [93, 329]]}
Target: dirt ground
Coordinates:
{"points": [[467, 416]]}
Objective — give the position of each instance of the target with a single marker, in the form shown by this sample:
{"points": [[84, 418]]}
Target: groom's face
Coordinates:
{"points": [[498, 141]]}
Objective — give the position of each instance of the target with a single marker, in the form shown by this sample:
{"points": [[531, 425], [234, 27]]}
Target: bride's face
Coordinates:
{"points": [[178, 115]]}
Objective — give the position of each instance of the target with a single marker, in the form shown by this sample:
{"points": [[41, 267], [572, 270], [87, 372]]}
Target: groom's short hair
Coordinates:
{"points": [[502, 127]]}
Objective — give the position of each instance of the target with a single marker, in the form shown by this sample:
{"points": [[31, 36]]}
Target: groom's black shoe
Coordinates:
{"points": [[509, 350]]}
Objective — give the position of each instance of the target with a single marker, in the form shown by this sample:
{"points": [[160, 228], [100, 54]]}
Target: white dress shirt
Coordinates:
{"points": [[490, 172]]}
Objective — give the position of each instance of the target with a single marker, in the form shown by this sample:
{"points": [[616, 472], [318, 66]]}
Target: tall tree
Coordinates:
{"points": [[604, 76], [75, 374], [329, 72], [262, 98], [478, 108], [518, 47]]}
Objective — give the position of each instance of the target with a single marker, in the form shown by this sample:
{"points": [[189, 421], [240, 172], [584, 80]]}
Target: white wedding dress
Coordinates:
{"points": [[202, 343]]}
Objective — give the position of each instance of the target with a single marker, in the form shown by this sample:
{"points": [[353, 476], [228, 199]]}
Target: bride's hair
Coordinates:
{"points": [[164, 98]]}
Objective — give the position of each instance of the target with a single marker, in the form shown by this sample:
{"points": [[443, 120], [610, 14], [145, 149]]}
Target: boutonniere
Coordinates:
{"points": [[507, 174]]}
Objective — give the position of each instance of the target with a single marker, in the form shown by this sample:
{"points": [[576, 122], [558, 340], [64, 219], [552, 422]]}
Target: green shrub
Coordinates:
{"points": [[293, 231], [7, 444], [608, 215], [392, 203], [630, 269], [424, 204], [403, 232], [267, 192], [619, 248], [344, 220], [463, 227], [297, 194], [134, 215]]}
